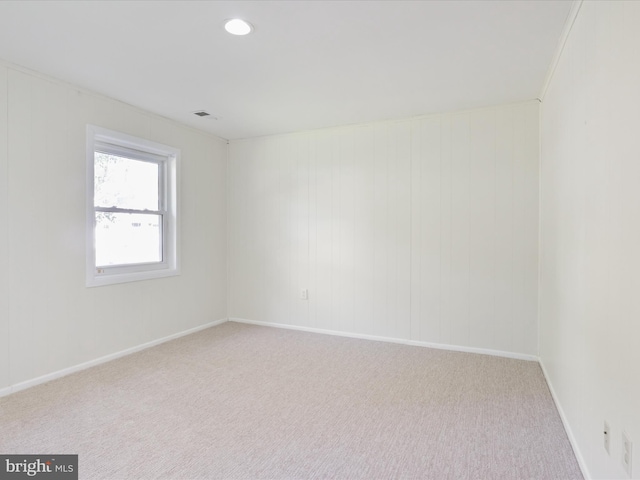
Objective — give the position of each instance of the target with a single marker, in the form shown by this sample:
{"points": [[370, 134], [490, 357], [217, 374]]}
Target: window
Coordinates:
{"points": [[132, 231]]}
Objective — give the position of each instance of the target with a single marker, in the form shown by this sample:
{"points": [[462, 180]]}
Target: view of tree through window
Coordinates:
{"points": [[128, 217]]}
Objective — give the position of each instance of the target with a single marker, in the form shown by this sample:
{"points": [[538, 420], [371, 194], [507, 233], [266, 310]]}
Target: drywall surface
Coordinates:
{"points": [[590, 233], [424, 229], [49, 319]]}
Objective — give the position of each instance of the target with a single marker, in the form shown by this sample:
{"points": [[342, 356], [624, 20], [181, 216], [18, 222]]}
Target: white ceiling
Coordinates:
{"points": [[308, 64]]}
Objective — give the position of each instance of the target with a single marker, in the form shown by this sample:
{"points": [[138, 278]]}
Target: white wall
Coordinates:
{"points": [[49, 320], [4, 235], [422, 230], [590, 232]]}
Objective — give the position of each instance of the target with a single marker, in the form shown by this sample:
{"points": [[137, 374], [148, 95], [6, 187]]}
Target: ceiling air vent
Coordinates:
{"points": [[204, 114]]}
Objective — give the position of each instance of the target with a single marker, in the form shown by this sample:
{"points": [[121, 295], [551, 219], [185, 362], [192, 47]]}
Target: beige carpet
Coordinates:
{"points": [[242, 402]]}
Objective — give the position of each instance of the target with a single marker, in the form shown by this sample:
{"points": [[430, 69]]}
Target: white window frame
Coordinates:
{"points": [[168, 160]]}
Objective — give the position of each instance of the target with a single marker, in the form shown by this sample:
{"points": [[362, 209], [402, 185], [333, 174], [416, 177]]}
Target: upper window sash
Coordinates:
{"points": [[163, 200]]}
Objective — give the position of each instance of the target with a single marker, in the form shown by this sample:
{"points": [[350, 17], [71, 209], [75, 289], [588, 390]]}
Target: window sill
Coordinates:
{"points": [[112, 279]]}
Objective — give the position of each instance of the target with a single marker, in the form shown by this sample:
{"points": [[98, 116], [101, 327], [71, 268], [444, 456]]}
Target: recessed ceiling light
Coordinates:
{"points": [[236, 26]]}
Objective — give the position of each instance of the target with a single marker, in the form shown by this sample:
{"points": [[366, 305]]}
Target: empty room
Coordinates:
{"points": [[320, 239]]}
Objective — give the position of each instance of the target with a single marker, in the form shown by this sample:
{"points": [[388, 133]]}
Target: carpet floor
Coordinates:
{"points": [[246, 402]]}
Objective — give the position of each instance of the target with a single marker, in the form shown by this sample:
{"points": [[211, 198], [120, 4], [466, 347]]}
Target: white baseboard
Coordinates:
{"points": [[567, 427], [107, 358], [440, 346]]}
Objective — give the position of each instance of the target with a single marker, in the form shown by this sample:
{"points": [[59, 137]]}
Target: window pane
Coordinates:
{"points": [[126, 238], [125, 183]]}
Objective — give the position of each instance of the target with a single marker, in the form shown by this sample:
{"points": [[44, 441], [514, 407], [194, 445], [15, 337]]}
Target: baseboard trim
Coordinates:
{"points": [[107, 358], [565, 422], [439, 346]]}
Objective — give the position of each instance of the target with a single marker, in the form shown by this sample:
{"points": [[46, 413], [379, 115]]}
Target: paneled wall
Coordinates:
{"points": [[4, 235], [49, 320], [423, 230], [590, 233]]}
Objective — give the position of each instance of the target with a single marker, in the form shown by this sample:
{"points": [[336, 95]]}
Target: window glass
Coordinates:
{"points": [[125, 183], [127, 238]]}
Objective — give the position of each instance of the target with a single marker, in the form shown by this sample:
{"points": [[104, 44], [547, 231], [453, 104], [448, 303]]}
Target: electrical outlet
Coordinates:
{"points": [[304, 294], [607, 438], [627, 452]]}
